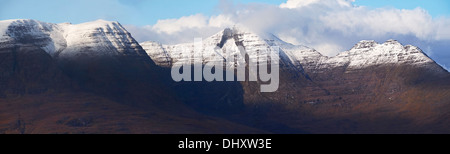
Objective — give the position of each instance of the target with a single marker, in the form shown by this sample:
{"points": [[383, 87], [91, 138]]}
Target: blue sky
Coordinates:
{"points": [[436, 8], [135, 12], [148, 12]]}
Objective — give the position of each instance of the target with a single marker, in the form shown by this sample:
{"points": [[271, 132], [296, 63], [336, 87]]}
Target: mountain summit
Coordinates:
{"points": [[100, 38], [369, 53]]}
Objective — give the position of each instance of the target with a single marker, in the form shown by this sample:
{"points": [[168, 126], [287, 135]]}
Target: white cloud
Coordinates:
{"points": [[171, 26], [291, 4], [442, 30], [316, 21], [381, 22], [182, 30], [329, 49], [221, 21], [297, 3]]}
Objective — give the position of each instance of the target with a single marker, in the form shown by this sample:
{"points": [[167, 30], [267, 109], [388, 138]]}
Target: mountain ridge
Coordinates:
{"points": [[62, 41], [364, 54]]}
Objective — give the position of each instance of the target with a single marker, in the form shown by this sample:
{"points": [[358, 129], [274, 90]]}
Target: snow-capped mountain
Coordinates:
{"points": [[231, 40], [370, 53], [99, 57], [47, 36], [91, 39], [26, 65], [103, 37]]}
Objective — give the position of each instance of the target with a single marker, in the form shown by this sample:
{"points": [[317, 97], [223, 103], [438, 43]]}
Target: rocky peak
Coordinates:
{"points": [[91, 39], [365, 44], [392, 42], [101, 38], [369, 53], [26, 32]]}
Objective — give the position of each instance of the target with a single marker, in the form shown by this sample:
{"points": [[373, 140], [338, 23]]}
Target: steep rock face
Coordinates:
{"points": [[49, 37], [104, 58], [26, 66], [29, 70], [100, 57], [98, 38]]}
